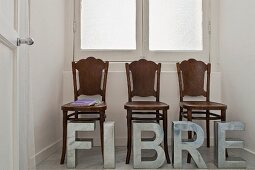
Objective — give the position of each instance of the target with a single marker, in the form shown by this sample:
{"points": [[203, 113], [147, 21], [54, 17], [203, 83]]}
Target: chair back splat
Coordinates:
{"points": [[142, 77], [191, 75], [92, 75]]}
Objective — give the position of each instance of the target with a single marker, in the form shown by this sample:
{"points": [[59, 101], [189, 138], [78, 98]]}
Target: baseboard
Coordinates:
{"points": [[250, 151], [47, 151]]}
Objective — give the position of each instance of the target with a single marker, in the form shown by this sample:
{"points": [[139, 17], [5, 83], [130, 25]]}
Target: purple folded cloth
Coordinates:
{"points": [[85, 102]]}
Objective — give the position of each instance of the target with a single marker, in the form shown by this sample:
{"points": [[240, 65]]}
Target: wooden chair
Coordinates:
{"points": [[92, 75], [142, 77], [191, 75]]}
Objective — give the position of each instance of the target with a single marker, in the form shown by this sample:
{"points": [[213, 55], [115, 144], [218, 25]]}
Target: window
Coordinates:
{"points": [[125, 30], [175, 25], [108, 24]]}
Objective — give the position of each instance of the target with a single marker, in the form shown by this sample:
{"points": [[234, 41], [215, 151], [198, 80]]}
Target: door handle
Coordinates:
{"points": [[27, 41]]}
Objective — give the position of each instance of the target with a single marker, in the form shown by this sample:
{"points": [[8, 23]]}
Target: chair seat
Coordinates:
{"points": [[146, 105], [202, 105], [95, 108]]}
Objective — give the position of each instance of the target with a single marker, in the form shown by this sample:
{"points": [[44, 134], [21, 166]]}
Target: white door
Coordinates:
{"points": [[13, 75]]}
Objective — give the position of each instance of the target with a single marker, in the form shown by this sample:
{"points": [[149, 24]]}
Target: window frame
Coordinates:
{"points": [[142, 40]]}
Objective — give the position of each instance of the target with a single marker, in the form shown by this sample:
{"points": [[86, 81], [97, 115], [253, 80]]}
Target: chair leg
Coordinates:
{"points": [[102, 119], [129, 131], [223, 118], [76, 115], [189, 116], [64, 137], [208, 128], [180, 114], [157, 116], [165, 136]]}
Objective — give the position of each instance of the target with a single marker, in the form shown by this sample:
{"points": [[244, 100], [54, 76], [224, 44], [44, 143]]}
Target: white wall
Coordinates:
{"points": [[47, 62], [237, 59]]}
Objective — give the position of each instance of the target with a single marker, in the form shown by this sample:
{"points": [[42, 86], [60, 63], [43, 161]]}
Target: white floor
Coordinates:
{"points": [[92, 159]]}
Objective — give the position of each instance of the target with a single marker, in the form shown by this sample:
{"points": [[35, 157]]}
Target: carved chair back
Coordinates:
{"points": [[191, 75], [92, 75], [143, 79]]}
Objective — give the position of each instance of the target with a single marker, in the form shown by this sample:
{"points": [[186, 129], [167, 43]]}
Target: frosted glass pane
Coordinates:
{"points": [[108, 24], [175, 25]]}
